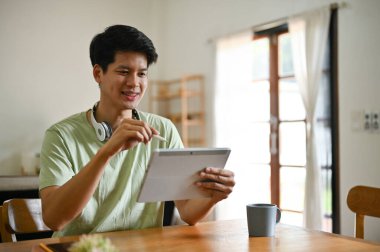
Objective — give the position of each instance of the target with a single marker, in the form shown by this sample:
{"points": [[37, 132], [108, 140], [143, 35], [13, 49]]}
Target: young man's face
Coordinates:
{"points": [[124, 83]]}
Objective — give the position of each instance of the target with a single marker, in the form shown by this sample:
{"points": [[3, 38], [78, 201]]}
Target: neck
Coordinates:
{"points": [[111, 115]]}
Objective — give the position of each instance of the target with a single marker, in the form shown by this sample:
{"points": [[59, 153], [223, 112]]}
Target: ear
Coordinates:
{"points": [[97, 72]]}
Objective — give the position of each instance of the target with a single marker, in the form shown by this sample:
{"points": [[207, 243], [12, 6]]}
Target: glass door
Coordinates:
{"points": [[269, 142]]}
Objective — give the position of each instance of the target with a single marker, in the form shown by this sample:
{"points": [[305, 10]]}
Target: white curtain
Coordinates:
{"points": [[309, 33], [233, 70], [233, 75]]}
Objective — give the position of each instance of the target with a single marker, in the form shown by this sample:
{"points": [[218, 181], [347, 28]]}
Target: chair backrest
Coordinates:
{"points": [[363, 200], [21, 216], [5, 236]]}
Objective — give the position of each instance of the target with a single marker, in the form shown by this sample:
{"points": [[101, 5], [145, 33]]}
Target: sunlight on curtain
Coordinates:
{"points": [[309, 33], [235, 98]]}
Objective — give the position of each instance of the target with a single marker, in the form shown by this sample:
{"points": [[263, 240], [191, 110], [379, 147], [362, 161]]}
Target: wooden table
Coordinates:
{"points": [[216, 236]]}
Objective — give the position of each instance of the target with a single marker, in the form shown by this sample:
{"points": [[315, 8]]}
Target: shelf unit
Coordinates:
{"points": [[182, 101]]}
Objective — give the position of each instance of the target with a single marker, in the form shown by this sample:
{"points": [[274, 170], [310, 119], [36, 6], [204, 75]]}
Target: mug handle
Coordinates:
{"points": [[278, 216]]}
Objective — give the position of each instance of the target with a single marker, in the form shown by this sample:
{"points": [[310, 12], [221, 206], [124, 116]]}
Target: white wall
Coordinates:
{"points": [[359, 89], [46, 72]]}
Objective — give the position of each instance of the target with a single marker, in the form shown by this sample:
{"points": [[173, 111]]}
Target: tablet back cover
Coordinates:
{"points": [[171, 173]]}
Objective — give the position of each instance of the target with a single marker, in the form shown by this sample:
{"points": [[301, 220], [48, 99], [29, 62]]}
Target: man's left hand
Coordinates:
{"points": [[219, 182]]}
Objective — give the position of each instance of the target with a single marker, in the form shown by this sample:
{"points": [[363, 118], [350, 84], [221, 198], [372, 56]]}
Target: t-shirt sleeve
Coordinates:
{"points": [[56, 167], [174, 137]]}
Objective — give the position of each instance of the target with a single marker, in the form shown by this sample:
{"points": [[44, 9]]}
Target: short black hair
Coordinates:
{"points": [[120, 38]]}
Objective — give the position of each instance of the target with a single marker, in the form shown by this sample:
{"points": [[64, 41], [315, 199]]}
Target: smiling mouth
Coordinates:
{"points": [[130, 95]]}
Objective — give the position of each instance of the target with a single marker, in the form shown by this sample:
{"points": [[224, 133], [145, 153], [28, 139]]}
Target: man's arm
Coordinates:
{"points": [[221, 185], [61, 204]]}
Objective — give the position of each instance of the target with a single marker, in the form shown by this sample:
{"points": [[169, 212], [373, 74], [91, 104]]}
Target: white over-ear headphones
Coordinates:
{"points": [[103, 130]]}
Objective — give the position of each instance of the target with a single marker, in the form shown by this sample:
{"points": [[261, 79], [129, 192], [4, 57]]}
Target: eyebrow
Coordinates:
{"points": [[126, 67]]}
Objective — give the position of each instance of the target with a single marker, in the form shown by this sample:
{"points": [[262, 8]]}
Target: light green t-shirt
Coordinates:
{"points": [[70, 144]]}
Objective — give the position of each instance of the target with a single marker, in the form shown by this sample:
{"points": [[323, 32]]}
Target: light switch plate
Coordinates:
{"points": [[375, 121], [367, 120]]}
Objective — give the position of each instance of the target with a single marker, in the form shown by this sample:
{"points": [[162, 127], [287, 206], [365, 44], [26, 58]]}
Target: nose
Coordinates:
{"points": [[133, 81]]}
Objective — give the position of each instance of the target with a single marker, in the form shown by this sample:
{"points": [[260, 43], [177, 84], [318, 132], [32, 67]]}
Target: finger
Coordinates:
{"points": [[138, 128], [154, 131], [214, 186], [139, 123], [135, 136], [148, 130], [219, 171], [228, 181], [225, 177], [130, 121]]}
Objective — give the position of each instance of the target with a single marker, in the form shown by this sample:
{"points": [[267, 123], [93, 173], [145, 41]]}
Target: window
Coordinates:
{"points": [[286, 121], [269, 147]]}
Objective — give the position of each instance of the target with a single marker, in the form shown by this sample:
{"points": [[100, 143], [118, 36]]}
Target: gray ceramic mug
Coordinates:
{"points": [[262, 219]]}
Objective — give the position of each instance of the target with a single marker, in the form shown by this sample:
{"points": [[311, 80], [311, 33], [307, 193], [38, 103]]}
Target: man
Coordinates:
{"points": [[92, 163]]}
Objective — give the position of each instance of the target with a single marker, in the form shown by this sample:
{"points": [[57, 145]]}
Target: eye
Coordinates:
{"points": [[122, 72], [143, 74]]}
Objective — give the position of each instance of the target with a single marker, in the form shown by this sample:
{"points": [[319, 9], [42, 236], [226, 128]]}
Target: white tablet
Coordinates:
{"points": [[171, 173]]}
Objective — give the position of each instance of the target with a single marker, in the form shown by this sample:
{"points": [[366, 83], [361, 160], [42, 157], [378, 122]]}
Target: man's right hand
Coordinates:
{"points": [[128, 134]]}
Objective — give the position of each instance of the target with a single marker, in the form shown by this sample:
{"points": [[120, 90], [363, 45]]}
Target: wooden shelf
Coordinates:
{"points": [[182, 101], [177, 95], [191, 117]]}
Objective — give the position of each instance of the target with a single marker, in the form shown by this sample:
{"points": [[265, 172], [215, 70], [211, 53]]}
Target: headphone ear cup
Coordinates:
{"points": [[103, 130], [107, 130], [100, 132]]}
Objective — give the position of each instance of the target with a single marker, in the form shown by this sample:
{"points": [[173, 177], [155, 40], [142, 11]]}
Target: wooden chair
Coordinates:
{"points": [[363, 200], [22, 216]]}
